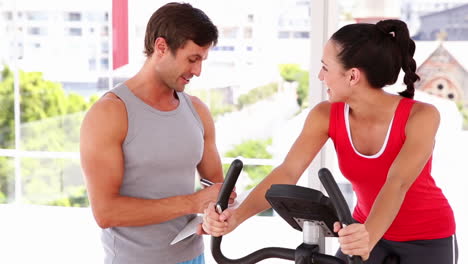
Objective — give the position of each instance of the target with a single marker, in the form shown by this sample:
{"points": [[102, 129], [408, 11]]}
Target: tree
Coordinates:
{"points": [[6, 110], [294, 73], [290, 72], [50, 121], [303, 89], [464, 112], [253, 149], [215, 101], [257, 94]]}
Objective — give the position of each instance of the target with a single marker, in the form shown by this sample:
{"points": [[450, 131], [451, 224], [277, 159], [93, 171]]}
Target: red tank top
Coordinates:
{"points": [[425, 212]]}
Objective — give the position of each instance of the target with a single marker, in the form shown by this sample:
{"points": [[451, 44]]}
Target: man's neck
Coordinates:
{"points": [[150, 89]]}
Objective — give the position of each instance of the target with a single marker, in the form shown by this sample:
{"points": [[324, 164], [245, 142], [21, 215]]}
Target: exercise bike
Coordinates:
{"points": [[305, 209]]}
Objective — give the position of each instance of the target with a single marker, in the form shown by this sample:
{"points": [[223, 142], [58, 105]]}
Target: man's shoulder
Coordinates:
{"points": [[108, 113], [109, 103], [196, 102], [201, 108]]}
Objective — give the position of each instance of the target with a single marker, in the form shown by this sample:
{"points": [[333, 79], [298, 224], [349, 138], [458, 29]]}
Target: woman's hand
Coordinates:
{"points": [[218, 224], [354, 240]]}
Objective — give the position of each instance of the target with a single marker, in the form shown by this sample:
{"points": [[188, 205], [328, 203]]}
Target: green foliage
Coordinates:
{"points": [[6, 110], [257, 94], [257, 173], [253, 149], [2, 198], [77, 198], [50, 121], [464, 111], [215, 101], [40, 99], [46, 180], [293, 73], [6, 179], [303, 89], [290, 72]]}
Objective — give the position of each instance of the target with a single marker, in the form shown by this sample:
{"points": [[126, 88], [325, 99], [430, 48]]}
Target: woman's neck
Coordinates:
{"points": [[373, 105]]}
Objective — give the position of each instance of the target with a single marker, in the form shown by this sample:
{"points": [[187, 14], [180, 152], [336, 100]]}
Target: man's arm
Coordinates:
{"points": [[102, 132], [210, 166]]}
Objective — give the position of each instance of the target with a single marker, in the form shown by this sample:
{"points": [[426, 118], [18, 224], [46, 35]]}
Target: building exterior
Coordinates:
{"points": [[369, 11], [67, 41], [443, 75], [453, 22], [413, 10]]}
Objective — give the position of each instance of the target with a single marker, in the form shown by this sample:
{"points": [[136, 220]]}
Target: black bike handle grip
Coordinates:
{"points": [[355, 260], [336, 197], [339, 202], [229, 183]]}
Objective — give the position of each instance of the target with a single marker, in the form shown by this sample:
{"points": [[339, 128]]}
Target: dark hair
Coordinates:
{"points": [[379, 50], [177, 23]]}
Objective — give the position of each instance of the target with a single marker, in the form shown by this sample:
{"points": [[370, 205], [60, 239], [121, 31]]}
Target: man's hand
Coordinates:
{"points": [[210, 195]]}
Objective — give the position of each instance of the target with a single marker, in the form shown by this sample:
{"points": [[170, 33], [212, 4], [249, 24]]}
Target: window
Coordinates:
{"points": [[248, 32], [229, 32], [74, 16], [8, 15], [284, 34], [301, 34], [94, 16], [92, 64], [104, 31], [34, 31], [74, 31], [257, 112], [37, 15], [104, 64], [104, 47]]}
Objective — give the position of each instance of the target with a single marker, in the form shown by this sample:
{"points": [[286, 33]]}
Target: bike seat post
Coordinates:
{"points": [[313, 234]]}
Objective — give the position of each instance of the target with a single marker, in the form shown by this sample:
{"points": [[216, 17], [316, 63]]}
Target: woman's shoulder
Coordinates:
{"points": [[423, 115], [321, 110], [319, 116], [424, 110]]}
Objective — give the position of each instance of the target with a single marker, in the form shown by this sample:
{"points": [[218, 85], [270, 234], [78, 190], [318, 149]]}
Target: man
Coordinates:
{"points": [[142, 142]]}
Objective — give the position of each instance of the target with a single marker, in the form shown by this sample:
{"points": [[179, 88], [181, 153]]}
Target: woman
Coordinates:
{"points": [[384, 144]]}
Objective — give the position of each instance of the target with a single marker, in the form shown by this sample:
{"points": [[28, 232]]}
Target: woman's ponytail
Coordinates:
{"points": [[398, 30]]}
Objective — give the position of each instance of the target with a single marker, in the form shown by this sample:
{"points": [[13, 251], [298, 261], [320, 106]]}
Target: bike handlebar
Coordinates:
{"points": [[223, 198], [276, 252], [229, 183], [261, 254], [339, 202]]}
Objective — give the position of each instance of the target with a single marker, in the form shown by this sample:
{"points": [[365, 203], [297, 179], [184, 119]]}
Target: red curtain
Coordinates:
{"points": [[119, 33]]}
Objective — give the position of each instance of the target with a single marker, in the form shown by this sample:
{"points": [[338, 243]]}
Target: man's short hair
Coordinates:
{"points": [[177, 23]]}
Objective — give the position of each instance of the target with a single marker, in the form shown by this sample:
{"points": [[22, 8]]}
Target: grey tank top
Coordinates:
{"points": [[161, 152]]}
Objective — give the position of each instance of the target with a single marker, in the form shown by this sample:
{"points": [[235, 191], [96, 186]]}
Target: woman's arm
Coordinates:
{"points": [[312, 138], [421, 129]]}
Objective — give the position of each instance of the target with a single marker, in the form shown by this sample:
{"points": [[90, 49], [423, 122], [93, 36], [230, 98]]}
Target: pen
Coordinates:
{"points": [[208, 183]]}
